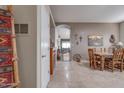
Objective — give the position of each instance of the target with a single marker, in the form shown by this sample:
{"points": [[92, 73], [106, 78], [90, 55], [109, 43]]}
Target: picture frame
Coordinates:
{"points": [[95, 40]]}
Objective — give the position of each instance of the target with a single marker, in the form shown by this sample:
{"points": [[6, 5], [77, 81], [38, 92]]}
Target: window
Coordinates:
{"points": [[21, 28], [16, 28]]}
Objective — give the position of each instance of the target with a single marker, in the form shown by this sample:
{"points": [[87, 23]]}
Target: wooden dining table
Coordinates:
{"points": [[103, 56]]}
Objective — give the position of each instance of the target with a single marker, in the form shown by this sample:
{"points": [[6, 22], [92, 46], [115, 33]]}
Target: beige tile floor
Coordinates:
{"points": [[79, 75], [66, 56]]}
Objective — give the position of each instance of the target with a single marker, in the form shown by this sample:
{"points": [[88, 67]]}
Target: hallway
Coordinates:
{"points": [[79, 75]]}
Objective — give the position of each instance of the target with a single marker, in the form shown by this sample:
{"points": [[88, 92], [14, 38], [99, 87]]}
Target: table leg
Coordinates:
{"points": [[94, 63], [102, 64]]}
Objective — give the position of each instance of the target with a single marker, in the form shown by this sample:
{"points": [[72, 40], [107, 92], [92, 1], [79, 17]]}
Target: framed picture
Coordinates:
{"points": [[95, 40]]}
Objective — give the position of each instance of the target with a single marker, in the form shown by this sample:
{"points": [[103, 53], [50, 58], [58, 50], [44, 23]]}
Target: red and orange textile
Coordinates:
{"points": [[6, 48]]}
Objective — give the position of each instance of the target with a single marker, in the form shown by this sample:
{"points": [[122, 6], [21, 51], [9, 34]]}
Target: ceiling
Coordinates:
{"points": [[88, 13]]}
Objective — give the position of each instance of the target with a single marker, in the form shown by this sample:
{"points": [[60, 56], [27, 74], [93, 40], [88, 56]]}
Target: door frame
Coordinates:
{"points": [[38, 68], [40, 14], [42, 10]]}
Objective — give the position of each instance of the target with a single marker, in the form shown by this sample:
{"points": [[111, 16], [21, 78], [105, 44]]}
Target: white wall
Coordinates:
{"points": [[26, 45], [43, 48], [85, 29], [122, 32], [52, 32], [52, 35]]}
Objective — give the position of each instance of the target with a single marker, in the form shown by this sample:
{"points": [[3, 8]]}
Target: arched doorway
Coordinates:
{"points": [[63, 42]]}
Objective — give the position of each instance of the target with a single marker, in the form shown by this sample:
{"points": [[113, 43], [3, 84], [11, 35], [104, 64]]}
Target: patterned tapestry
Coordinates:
{"points": [[6, 53]]}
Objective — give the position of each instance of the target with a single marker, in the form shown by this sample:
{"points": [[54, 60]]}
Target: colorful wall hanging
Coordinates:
{"points": [[8, 71]]}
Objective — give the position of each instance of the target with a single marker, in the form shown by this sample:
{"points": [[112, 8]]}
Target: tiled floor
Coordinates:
{"points": [[79, 75], [66, 56]]}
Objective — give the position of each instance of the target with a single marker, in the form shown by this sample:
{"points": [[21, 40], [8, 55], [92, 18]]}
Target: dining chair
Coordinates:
{"points": [[95, 60], [123, 59], [101, 50], [97, 49], [98, 61], [117, 60], [94, 49], [105, 50], [91, 57]]}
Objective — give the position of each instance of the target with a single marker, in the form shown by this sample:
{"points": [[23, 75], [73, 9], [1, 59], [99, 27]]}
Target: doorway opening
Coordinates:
{"points": [[63, 43], [65, 48]]}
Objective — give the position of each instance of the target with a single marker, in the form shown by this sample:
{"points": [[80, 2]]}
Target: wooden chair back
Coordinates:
{"points": [[105, 50], [94, 49], [100, 50], [91, 56], [123, 55], [91, 53], [118, 55], [118, 59]]}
